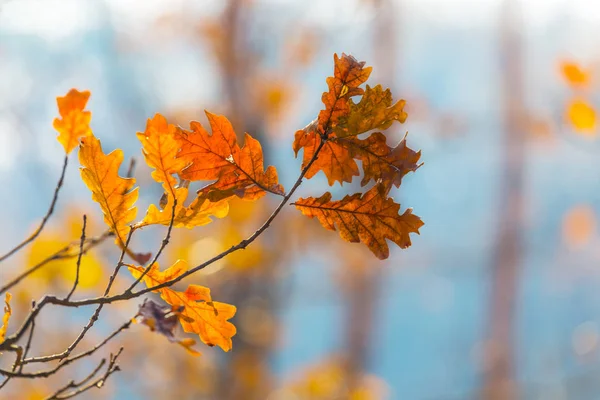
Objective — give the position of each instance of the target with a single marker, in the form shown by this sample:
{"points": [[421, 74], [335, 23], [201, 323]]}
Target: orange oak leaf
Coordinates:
{"points": [[74, 122], [237, 171], [375, 110], [163, 320], [115, 195], [381, 162], [160, 150], [5, 317], [198, 313], [370, 218]]}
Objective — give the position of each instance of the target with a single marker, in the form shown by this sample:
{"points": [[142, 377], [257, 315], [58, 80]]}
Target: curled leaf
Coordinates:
{"points": [[164, 321], [199, 314], [370, 218], [74, 123]]}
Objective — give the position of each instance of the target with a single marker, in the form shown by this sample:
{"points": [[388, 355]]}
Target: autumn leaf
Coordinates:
{"points": [[160, 150], [6, 317], [217, 156], [370, 218], [574, 74], [164, 320], [581, 115], [74, 123], [199, 314], [342, 120], [115, 195], [381, 162]]}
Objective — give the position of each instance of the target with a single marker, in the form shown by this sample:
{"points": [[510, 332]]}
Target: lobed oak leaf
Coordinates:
{"points": [[217, 156], [198, 313], [160, 150], [380, 161], [5, 317], [115, 195], [74, 123], [164, 320], [375, 110], [370, 218]]}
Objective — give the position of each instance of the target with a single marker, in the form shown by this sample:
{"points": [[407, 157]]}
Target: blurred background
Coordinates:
{"points": [[497, 298]]}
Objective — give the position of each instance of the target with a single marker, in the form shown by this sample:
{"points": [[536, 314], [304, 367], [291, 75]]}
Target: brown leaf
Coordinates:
{"points": [[370, 218], [347, 120], [164, 321]]}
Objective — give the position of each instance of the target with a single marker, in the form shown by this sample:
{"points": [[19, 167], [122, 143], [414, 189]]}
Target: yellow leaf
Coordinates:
{"points": [[6, 317], [160, 149], [581, 115], [114, 194], [200, 315], [75, 122]]}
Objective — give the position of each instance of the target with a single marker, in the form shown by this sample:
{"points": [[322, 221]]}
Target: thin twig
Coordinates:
{"points": [[98, 383], [67, 361], [72, 384], [164, 244], [35, 234], [29, 340], [59, 255], [82, 241], [126, 296], [92, 320]]}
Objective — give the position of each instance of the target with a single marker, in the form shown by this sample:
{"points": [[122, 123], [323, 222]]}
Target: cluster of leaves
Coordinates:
{"points": [[345, 132], [371, 217]]}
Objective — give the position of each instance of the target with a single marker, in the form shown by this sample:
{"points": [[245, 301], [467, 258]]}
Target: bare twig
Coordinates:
{"points": [[59, 255], [164, 244], [73, 384], [36, 233], [92, 320], [98, 383], [82, 241], [67, 361], [130, 295]]}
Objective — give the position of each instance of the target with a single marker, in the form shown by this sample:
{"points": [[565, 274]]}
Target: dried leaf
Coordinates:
{"points": [[6, 317], [164, 320], [199, 314], [238, 171], [370, 218], [347, 120], [74, 123]]}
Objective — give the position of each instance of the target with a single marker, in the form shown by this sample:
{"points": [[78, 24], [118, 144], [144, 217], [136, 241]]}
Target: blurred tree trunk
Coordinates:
{"points": [[364, 288], [499, 380]]}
